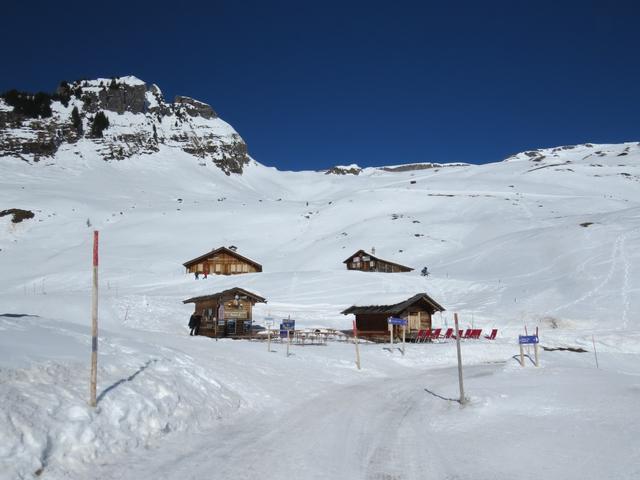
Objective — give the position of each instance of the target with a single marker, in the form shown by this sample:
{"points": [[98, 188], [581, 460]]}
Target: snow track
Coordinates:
{"points": [[390, 428], [352, 432], [617, 257]]}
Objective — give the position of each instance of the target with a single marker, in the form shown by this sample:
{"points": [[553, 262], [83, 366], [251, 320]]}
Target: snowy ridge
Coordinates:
{"points": [[552, 242]]}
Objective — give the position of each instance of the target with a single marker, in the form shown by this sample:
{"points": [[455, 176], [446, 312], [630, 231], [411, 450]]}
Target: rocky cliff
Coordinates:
{"points": [[134, 119]]}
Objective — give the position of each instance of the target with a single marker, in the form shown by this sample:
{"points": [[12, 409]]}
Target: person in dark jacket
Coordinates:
{"points": [[194, 324]]}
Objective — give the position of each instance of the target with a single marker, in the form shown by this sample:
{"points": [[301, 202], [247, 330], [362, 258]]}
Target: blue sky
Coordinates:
{"points": [[313, 84]]}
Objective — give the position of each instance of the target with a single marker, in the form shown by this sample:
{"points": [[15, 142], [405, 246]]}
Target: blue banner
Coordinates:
{"points": [[527, 339], [397, 321]]}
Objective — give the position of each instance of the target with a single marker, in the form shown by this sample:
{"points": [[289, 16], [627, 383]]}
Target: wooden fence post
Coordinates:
{"points": [[355, 338], [391, 336], [463, 400], [288, 340], [404, 331]]}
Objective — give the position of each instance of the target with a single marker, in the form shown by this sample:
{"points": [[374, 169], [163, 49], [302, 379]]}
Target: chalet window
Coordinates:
{"points": [[233, 268], [200, 267], [218, 268], [372, 264], [356, 259], [366, 259], [245, 268]]}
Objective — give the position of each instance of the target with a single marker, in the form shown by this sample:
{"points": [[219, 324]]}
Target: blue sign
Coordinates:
{"points": [[397, 321], [527, 339], [285, 326]]}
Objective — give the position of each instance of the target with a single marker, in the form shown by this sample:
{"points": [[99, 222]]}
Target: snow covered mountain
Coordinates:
{"points": [[38, 126], [547, 238]]}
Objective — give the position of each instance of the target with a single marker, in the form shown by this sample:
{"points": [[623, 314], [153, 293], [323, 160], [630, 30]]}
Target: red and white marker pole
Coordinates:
{"points": [[94, 323]]}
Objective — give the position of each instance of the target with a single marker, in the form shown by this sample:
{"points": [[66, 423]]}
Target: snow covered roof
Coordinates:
{"points": [[362, 252], [227, 293], [397, 308], [226, 250]]}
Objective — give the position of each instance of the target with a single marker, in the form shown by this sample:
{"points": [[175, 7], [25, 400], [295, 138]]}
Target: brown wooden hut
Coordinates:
{"points": [[227, 313], [367, 262], [222, 261], [372, 320]]}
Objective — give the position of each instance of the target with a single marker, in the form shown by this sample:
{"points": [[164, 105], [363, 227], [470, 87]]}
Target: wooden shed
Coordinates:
{"points": [[367, 262], [222, 261], [372, 320], [227, 313]]}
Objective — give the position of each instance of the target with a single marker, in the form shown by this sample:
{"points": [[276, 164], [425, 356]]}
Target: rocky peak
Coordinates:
{"points": [[195, 108], [33, 126]]}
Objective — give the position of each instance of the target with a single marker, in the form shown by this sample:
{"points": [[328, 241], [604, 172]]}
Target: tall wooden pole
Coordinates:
{"points": [[288, 339], [94, 323], [391, 336], [462, 399], [355, 339]]}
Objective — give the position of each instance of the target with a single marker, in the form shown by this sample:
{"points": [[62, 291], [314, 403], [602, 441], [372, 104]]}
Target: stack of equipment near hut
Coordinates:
{"points": [[227, 313], [367, 262], [222, 261], [372, 320]]}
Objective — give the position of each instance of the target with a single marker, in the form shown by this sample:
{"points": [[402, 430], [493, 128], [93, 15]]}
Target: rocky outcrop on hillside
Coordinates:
{"points": [[138, 121], [352, 169]]}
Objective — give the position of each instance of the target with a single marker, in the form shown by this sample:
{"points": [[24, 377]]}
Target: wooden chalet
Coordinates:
{"points": [[222, 261], [372, 320], [367, 262], [227, 313]]}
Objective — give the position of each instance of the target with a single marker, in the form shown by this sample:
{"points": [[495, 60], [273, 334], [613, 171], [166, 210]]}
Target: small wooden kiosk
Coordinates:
{"points": [[222, 261], [367, 262], [371, 320], [227, 313]]}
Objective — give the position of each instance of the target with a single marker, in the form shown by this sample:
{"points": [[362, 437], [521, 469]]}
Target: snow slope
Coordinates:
{"points": [[548, 238]]}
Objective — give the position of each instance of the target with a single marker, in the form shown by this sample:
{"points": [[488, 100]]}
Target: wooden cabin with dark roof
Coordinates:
{"points": [[367, 262], [222, 261], [372, 320], [227, 313]]}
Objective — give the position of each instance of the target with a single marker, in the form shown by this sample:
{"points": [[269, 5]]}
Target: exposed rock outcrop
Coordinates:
{"points": [[352, 169], [140, 122], [195, 108]]}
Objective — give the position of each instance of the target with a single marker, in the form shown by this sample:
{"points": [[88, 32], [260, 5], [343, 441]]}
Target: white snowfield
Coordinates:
{"points": [[547, 239]]}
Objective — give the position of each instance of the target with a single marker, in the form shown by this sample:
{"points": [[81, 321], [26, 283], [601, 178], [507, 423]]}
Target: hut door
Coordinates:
{"points": [[414, 321], [425, 320], [231, 327]]}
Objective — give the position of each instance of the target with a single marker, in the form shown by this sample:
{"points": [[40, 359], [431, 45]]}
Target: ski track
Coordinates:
{"points": [[615, 257], [324, 437], [625, 285]]}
